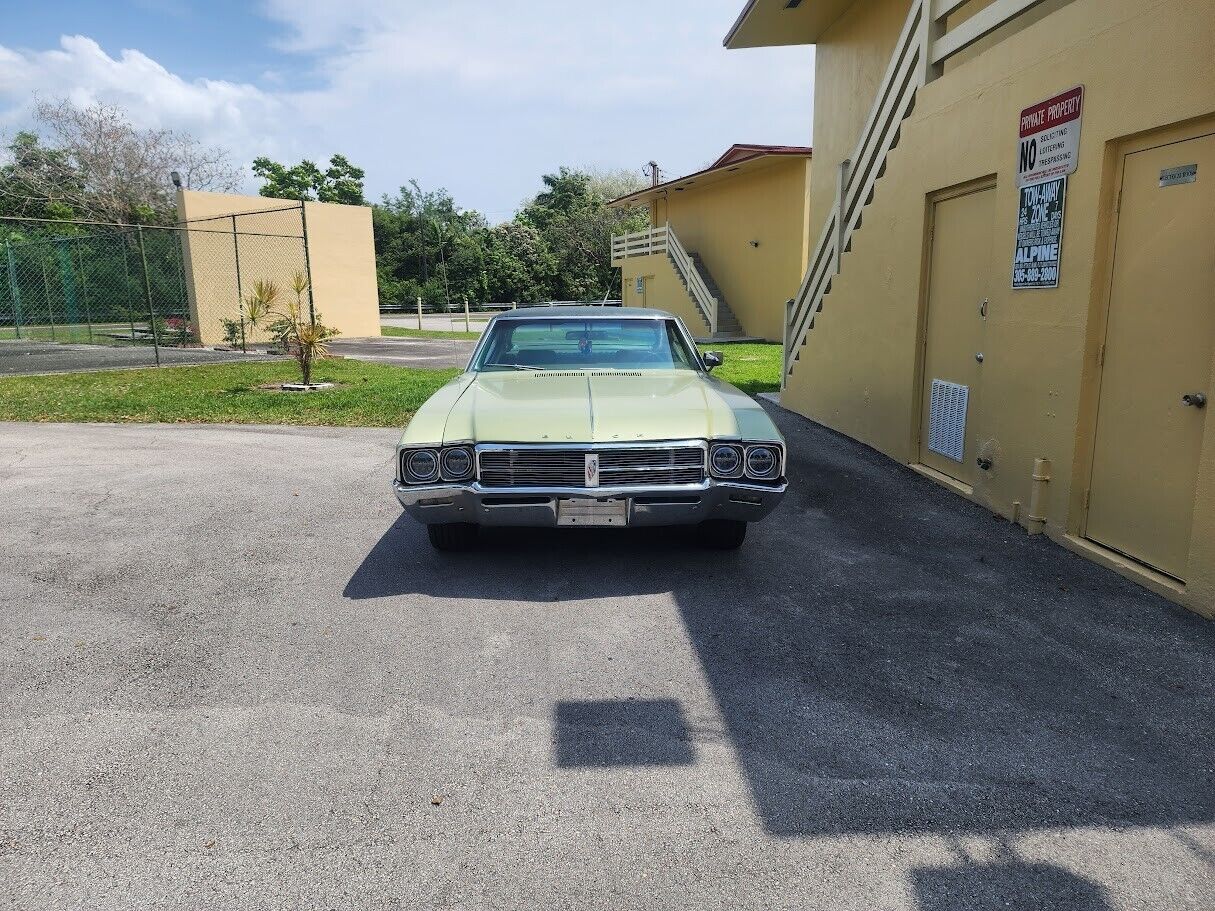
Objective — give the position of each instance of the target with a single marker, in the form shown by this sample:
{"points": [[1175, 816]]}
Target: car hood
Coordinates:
{"points": [[589, 406]]}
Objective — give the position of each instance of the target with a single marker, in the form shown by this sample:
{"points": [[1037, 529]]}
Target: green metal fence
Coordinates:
{"points": [[185, 285]]}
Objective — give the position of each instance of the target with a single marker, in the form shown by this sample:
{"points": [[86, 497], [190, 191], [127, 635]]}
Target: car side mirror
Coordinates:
{"points": [[712, 359]]}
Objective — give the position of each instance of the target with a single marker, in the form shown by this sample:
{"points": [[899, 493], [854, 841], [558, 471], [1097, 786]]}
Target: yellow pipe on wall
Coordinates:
{"points": [[1035, 519]]}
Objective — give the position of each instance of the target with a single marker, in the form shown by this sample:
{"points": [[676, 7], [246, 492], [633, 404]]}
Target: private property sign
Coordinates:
{"points": [[1050, 138]]}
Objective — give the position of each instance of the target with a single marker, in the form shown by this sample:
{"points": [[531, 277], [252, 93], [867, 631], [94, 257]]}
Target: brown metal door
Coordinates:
{"points": [[960, 267], [1160, 341]]}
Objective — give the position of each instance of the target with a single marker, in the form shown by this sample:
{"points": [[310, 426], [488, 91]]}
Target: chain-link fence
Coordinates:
{"points": [[214, 282]]}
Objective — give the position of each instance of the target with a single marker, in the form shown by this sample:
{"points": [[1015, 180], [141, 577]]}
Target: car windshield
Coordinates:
{"points": [[579, 344]]}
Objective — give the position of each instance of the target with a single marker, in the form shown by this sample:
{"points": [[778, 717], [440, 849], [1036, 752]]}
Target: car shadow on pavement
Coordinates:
{"points": [[888, 657]]}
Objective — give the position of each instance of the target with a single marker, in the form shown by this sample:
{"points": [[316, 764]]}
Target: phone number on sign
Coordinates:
{"points": [[1036, 274]]}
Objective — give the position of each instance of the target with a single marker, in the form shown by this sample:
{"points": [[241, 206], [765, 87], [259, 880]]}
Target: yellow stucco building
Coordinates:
{"points": [[1012, 287], [727, 245], [226, 237]]}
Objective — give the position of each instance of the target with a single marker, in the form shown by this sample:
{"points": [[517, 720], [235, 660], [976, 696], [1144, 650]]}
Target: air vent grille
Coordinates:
{"points": [[947, 419]]}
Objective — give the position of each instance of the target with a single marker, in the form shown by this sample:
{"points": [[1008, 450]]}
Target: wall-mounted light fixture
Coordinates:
{"points": [[755, 243]]}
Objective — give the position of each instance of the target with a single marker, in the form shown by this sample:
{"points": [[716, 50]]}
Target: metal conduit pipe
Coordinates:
{"points": [[1035, 518]]}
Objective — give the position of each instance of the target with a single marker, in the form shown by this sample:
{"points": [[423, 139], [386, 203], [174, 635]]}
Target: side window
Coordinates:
{"points": [[679, 351]]}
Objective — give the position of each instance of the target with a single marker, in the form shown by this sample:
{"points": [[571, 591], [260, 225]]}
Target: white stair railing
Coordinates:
{"points": [[919, 56], [693, 279], [663, 240], [639, 243]]}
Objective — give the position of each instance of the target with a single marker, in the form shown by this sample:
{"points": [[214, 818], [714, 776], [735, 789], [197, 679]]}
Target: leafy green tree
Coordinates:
{"points": [[341, 182], [576, 226], [557, 246]]}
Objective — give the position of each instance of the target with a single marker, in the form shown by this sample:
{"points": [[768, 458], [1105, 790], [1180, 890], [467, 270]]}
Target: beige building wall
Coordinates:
{"points": [[1145, 67], [661, 288], [750, 230], [269, 237]]}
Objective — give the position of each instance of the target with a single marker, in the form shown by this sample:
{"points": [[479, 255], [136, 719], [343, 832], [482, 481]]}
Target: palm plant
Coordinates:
{"points": [[299, 333], [260, 303]]}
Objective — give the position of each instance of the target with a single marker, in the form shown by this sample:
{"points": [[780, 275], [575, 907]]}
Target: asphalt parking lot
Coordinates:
{"points": [[235, 677], [406, 352], [32, 357]]}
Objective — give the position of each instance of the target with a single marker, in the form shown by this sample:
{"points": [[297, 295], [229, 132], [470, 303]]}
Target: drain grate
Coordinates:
{"points": [[947, 419]]}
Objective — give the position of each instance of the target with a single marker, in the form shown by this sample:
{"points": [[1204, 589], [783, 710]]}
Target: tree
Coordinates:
{"points": [[93, 163], [341, 182], [557, 246], [38, 181], [576, 226]]}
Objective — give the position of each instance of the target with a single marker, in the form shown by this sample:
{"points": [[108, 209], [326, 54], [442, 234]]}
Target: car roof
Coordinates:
{"points": [[583, 313]]}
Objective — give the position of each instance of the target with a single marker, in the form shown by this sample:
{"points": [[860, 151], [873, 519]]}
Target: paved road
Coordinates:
{"points": [[439, 322], [26, 357], [406, 352], [234, 677]]}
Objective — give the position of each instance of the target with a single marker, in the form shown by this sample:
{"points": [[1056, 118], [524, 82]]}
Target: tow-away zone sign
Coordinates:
{"points": [[1049, 144], [1039, 235]]}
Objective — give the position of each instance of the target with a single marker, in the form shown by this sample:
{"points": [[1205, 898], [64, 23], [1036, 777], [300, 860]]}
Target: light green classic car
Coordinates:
{"points": [[589, 416]]}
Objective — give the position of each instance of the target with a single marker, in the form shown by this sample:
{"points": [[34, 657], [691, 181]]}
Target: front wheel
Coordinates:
{"points": [[452, 535], [721, 534]]}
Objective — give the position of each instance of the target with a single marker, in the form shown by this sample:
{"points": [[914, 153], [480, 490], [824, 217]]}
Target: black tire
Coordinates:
{"points": [[721, 534], [452, 535]]}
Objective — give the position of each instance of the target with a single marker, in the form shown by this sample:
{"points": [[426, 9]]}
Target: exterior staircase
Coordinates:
{"points": [[718, 319], [923, 47], [728, 326]]}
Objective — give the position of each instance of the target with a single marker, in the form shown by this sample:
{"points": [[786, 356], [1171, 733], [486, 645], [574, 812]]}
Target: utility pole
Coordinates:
{"points": [[653, 165]]}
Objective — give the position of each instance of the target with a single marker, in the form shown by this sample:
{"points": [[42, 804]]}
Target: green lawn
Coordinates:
{"points": [[426, 333], [752, 367], [371, 395]]}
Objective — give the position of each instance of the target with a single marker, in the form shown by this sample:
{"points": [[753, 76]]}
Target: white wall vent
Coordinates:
{"points": [[947, 419]]}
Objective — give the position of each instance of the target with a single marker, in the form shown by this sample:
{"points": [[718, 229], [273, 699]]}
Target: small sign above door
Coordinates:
{"points": [[1186, 173]]}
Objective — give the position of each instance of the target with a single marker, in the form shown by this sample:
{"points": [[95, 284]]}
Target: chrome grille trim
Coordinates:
{"points": [[678, 462]]}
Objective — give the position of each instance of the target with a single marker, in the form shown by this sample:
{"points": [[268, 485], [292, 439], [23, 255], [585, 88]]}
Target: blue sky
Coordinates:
{"points": [[480, 97]]}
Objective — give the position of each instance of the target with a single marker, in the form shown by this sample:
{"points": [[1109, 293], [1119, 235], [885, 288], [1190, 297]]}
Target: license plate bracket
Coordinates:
{"points": [[593, 513]]}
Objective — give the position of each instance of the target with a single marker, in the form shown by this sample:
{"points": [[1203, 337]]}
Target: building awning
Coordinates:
{"points": [[770, 23], [740, 158]]}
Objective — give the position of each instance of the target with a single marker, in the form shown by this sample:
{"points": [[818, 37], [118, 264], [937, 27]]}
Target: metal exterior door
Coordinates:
{"points": [[959, 270], [1159, 345]]}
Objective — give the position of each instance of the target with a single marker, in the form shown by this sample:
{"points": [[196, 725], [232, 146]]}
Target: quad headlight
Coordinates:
{"points": [[754, 461], [420, 466], [763, 462], [425, 466], [726, 460], [456, 463]]}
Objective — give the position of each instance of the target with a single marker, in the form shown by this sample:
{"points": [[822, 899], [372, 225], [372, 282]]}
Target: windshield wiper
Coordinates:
{"points": [[515, 366]]}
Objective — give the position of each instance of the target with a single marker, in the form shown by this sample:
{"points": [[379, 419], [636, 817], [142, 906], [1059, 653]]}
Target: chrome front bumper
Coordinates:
{"points": [[684, 504]]}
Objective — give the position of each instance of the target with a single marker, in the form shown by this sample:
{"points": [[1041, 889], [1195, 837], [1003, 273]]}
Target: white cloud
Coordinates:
{"points": [[240, 117], [480, 97]]}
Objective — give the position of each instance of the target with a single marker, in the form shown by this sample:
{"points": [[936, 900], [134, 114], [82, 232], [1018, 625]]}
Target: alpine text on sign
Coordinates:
{"points": [[1039, 235], [1050, 138]]}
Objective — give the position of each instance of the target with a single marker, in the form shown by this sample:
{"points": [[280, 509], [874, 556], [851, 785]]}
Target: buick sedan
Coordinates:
{"points": [[589, 416]]}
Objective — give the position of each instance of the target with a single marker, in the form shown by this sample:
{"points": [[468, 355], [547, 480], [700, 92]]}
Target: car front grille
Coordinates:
{"points": [[626, 466]]}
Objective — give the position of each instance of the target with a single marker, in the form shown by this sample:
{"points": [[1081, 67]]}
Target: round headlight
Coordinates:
{"points": [[422, 465], [762, 462], [457, 464], [726, 461]]}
